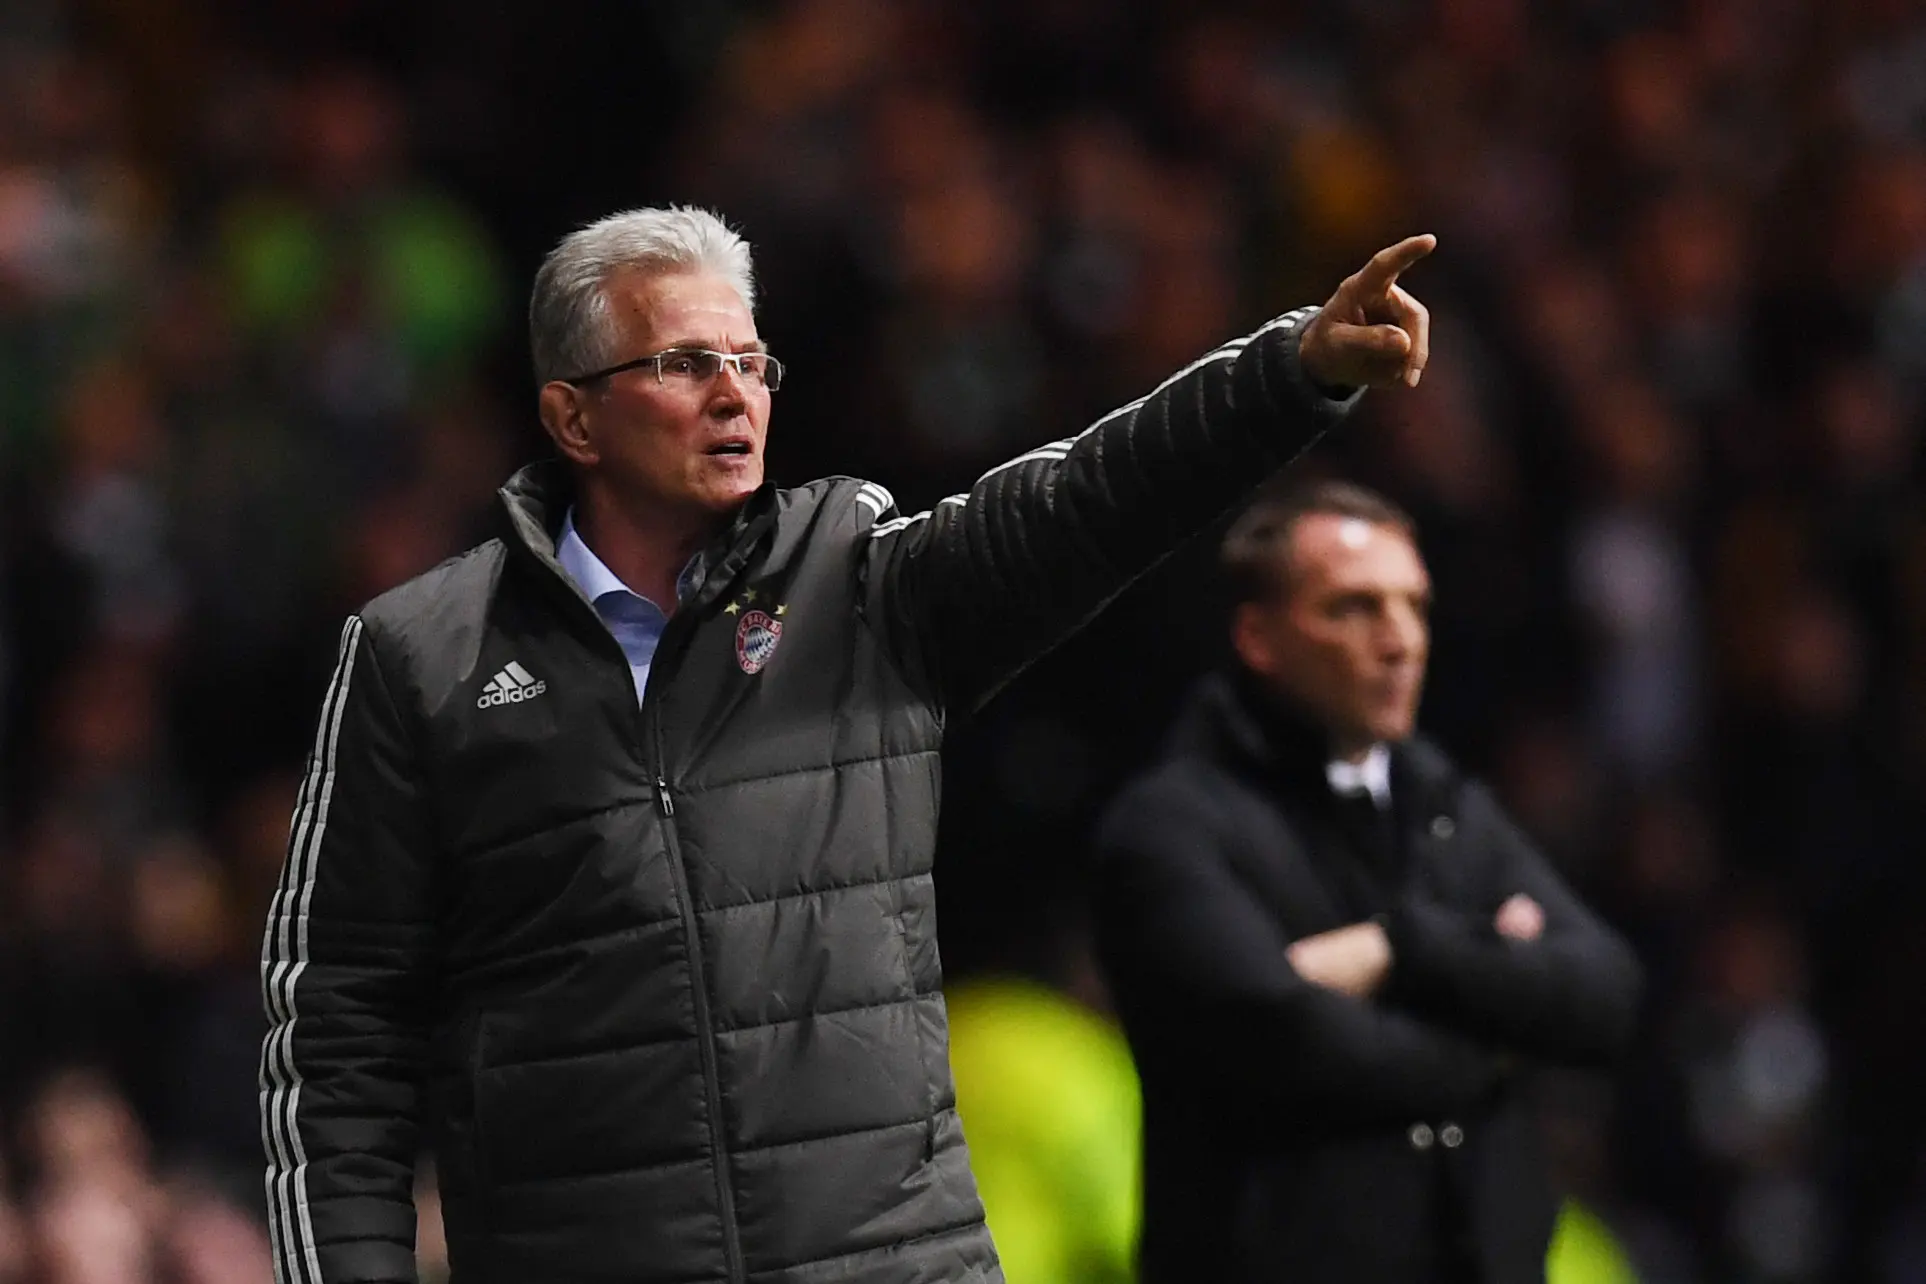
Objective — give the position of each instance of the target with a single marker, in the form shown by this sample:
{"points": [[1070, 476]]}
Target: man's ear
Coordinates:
{"points": [[1251, 640], [560, 406]]}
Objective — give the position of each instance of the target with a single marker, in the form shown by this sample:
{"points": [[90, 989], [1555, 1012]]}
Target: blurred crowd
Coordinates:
{"points": [[260, 359]]}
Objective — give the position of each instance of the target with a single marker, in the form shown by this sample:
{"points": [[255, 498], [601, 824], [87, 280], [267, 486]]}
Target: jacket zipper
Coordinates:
{"points": [[656, 763], [699, 983], [705, 1034]]}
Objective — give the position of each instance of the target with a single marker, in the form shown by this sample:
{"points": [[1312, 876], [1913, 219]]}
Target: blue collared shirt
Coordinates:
{"points": [[636, 622]]}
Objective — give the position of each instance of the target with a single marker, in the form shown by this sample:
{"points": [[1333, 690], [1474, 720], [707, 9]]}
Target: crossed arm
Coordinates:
{"points": [[1541, 974], [1202, 973], [1414, 1017]]}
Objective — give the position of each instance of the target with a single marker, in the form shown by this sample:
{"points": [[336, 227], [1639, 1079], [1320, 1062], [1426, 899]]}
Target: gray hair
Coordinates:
{"points": [[568, 310]]}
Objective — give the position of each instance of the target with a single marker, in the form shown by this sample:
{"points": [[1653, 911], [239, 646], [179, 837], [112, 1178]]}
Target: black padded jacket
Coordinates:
{"points": [[659, 985]]}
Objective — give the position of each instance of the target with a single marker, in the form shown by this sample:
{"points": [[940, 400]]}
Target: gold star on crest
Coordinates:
{"points": [[749, 597], [781, 607], [731, 609]]}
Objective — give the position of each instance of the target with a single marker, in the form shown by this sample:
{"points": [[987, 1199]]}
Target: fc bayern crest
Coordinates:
{"points": [[756, 639]]}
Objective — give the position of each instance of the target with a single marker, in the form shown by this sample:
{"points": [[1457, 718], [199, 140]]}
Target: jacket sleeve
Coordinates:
{"points": [[1571, 995], [974, 589], [1201, 973], [342, 975]]}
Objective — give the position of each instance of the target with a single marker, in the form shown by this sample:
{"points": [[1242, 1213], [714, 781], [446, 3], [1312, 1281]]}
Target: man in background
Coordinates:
{"points": [[1334, 955]]}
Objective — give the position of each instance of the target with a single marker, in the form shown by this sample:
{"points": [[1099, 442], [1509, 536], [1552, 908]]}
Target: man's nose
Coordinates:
{"points": [[728, 393], [1403, 633]]}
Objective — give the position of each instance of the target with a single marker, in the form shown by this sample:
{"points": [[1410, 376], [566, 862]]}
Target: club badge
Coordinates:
{"points": [[756, 638]]}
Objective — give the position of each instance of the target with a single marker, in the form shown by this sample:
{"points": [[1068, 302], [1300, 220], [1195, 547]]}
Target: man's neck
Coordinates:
{"points": [[645, 550]]}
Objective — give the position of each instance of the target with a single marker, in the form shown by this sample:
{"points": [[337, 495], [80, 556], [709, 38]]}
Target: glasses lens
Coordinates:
{"points": [[689, 365], [698, 366], [759, 367]]}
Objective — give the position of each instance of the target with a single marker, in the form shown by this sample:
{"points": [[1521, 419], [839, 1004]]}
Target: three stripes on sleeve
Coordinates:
{"points": [[284, 956]]}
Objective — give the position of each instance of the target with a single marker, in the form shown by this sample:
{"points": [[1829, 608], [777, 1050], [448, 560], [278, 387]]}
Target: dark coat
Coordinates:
{"points": [[661, 986], [1294, 1135]]}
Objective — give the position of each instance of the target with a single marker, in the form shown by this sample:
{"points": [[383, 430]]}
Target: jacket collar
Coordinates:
{"points": [[536, 501], [1234, 718]]}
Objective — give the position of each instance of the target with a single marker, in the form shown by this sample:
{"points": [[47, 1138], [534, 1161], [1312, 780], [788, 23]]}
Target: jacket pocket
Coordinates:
{"points": [[931, 1062], [469, 1122]]}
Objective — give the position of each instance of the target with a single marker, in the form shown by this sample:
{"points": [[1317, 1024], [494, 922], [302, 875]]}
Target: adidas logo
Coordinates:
{"points": [[512, 685]]}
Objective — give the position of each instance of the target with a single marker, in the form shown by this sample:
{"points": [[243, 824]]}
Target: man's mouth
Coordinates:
{"points": [[732, 447]]}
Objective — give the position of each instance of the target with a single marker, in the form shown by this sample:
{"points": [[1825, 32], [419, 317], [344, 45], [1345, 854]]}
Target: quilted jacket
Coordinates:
{"points": [[659, 986]]}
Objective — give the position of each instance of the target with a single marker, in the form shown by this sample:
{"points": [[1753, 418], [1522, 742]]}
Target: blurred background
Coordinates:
{"points": [[261, 271]]}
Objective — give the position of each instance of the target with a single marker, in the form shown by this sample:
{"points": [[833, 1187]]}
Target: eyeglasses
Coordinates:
{"points": [[696, 367]]}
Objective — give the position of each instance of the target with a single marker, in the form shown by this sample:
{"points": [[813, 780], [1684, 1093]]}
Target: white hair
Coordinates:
{"points": [[569, 333]]}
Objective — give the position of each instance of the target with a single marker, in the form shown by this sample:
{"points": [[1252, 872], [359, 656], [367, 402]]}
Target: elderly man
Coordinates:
{"points": [[610, 879], [1333, 953]]}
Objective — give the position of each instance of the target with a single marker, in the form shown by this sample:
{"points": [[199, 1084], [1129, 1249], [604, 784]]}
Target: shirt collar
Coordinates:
{"points": [[594, 577], [1372, 776]]}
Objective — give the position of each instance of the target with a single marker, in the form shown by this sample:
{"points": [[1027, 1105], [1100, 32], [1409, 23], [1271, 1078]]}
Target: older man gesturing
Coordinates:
{"points": [[611, 875]]}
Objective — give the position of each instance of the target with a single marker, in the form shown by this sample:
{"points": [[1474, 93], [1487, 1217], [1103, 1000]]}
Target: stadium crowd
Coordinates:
{"points": [[260, 359]]}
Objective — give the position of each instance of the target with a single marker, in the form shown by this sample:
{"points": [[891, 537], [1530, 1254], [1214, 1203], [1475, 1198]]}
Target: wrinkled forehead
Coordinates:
{"points": [[1333, 551], [664, 309]]}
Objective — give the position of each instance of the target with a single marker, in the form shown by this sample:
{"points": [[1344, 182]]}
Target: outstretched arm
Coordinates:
{"points": [[342, 975], [974, 589]]}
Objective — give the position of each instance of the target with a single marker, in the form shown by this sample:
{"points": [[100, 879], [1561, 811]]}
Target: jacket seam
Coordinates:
{"points": [[683, 1036], [736, 906], [909, 669], [912, 997], [497, 847], [469, 972], [636, 929], [894, 1246], [406, 717], [638, 1045], [697, 791], [837, 1134], [626, 1170]]}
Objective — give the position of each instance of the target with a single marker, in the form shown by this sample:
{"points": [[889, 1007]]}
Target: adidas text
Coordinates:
{"points": [[495, 696], [512, 685]]}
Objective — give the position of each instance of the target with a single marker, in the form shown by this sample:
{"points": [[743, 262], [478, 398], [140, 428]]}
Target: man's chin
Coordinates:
{"points": [[726, 494], [1393, 727], [1398, 732]]}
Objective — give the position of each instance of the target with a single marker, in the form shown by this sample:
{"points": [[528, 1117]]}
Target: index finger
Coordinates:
{"points": [[1392, 261]]}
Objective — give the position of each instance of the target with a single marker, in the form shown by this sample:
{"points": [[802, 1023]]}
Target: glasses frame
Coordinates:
{"points": [[733, 360]]}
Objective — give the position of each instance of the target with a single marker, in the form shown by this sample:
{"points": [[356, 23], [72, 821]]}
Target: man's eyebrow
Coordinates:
{"points": [[754, 345]]}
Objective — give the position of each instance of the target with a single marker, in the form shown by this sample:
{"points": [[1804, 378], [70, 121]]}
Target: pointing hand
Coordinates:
{"points": [[1371, 331]]}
